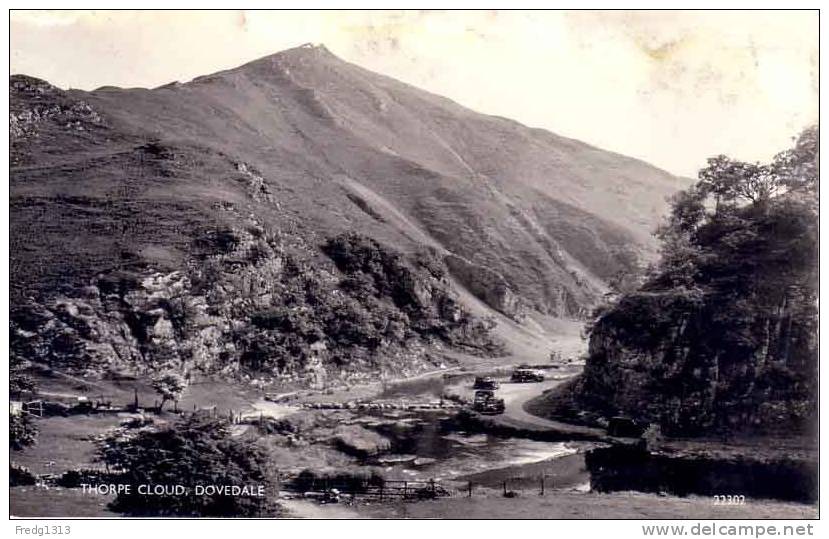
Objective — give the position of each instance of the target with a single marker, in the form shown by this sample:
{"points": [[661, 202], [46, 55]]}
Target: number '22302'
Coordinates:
{"points": [[737, 499]]}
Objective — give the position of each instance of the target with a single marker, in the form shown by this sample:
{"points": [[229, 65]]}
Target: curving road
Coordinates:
{"points": [[516, 395]]}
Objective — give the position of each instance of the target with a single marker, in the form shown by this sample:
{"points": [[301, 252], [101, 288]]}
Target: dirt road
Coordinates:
{"points": [[516, 395]]}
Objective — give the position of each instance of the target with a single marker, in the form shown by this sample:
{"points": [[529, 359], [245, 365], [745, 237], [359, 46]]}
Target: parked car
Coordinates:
{"points": [[485, 382], [527, 375], [487, 403]]}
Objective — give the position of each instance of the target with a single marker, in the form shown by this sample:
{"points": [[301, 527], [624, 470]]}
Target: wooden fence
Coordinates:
{"points": [[511, 487]]}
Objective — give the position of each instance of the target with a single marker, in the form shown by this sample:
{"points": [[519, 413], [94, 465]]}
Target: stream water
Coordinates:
{"points": [[426, 446]]}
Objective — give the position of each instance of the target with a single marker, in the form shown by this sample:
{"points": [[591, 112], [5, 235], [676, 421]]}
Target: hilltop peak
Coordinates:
{"points": [[310, 47], [306, 51], [305, 54]]}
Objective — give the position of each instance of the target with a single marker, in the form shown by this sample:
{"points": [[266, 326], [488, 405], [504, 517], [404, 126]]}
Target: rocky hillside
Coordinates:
{"points": [[174, 215]]}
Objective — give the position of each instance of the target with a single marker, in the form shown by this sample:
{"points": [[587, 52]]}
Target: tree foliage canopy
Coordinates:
{"points": [[197, 451], [170, 385]]}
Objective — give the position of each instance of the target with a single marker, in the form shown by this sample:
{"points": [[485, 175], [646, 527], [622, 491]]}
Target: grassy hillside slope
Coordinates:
{"points": [[294, 149]]}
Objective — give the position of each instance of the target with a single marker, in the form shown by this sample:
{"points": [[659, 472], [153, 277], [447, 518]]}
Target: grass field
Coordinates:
{"points": [[65, 443], [57, 502], [577, 505]]}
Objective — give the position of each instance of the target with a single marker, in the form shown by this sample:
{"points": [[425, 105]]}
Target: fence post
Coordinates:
{"points": [[505, 487], [432, 486], [542, 485], [469, 489], [405, 488]]}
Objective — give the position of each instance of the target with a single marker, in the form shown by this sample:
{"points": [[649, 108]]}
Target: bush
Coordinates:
{"points": [[20, 476], [382, 300], [197, 451], [76, 478], [351, 481]]}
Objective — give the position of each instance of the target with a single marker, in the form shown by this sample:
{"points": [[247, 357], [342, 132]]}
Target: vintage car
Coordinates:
{"points": [[527, 375], [485, 382], [487, 403]]}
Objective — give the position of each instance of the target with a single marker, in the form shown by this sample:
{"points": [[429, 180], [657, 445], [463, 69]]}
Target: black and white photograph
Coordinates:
{"points": [[403, 264]]}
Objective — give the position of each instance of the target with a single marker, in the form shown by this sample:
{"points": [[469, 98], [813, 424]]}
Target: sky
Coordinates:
{"points": [[670, 87]]}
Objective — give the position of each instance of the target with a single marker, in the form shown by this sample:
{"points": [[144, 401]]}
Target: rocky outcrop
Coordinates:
{"points": [[244, 308], [488, 285], [255, 185], [658, 357], [151, 320], [359, 441], [40, 114], [50, 105]]}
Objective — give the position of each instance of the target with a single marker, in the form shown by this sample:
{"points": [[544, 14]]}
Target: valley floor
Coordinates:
{"points": [[67, 443]]}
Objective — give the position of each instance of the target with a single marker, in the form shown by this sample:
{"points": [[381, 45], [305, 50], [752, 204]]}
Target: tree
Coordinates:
{"points": [[19, 381], [730, 181], [22, 431], [192, 454], [169, 385], [799, 167], [628, 276]]}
